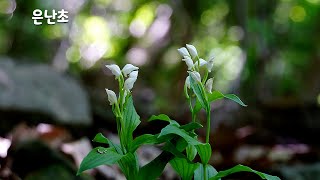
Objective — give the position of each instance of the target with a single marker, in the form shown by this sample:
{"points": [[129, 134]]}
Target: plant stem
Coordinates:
{"points": [[208, 124], [204, 172]]}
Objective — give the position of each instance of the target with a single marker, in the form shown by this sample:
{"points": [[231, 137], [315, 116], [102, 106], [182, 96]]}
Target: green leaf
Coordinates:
{"points": [[148, 139], [242, 168], [173, 129], [235, 98], [204, 151], [199, 92], [99, 156], [191, 126], [216, 95], [154, 169], [131, 120], [199, 173], [184, 168], [191, 152], [172, 149], [129, 165], [100, 138], [163, 117]]}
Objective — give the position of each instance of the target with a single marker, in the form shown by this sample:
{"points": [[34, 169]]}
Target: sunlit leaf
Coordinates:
{"points": [[242, 168], [99, 156], [184, 168], [199, 172], [204, 151]]}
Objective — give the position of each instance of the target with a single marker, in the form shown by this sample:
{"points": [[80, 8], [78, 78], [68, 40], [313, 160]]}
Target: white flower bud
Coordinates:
{"points": [[188, 61], [192, 50], [202, 62], [133, 74], [114, 69], [210, 64], [209, 85], [112, 97], [187, 83], [183, 52], [128, 84], [128, 68], [196, 76]]}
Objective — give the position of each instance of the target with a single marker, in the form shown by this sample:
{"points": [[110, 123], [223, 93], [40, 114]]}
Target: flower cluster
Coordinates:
{"points": [[130, 72], [194, 63]]}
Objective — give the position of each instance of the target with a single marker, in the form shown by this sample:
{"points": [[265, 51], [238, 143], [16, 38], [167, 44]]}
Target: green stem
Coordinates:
{"points": [[204, 172], [208, 124], [119, 128], [205, 77]]}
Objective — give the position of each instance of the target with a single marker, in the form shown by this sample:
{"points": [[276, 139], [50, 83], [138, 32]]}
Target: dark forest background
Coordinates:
{"points": [[52, 80]]}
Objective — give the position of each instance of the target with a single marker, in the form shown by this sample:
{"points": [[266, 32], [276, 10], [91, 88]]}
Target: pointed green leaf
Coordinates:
{"points": [[148, 139], [204, 151], [99, 156], [172, 149], [242, 168], [235, 98], [173, 129], [191, 152], [129, 165], [130, 122], [154, 169], [199, 92], [163, 117], [191, 126], [184, 168], [199, 172], [216, 95], [100, 138]]}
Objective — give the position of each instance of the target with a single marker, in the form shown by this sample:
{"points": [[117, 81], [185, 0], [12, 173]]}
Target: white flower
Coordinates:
{"points": [[202, 62], [196, 76], [133, 74], [128, 84], [183, 52], [112, 97], [187, 83], [192, 50], [114, 69], [128, 68], [188, 61], [209, 85], [210, 64]]}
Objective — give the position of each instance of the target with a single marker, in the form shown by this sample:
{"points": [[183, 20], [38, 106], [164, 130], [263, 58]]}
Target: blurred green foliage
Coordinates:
{"points": [[262, 48]]}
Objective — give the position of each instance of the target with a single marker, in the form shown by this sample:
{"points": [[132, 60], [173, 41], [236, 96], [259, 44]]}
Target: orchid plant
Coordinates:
{"points": [[180, 144]]}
